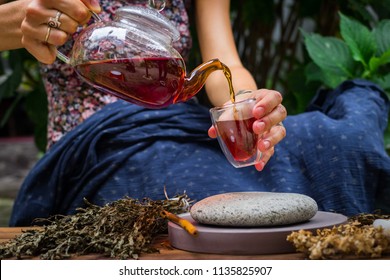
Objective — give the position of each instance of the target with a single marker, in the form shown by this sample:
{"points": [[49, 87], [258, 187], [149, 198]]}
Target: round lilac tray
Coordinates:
{"points": [[245, 241]]}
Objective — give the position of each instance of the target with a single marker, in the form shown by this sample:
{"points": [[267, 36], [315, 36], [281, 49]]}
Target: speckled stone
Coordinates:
{"points": [[250, 209]]}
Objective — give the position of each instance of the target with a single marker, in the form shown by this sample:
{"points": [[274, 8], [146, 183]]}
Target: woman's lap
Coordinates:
{"points": [[333, 153]]}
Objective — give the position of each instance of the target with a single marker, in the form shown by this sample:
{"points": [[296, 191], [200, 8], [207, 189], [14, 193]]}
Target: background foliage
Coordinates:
{"points": [[23, 102], [269, 34]]}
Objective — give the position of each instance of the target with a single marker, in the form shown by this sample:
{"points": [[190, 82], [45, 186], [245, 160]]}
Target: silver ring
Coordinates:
{"points": [[55, 22], [47, 34]]}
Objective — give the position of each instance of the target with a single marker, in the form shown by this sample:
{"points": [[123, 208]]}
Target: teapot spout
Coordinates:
{"points": [[197, 78]]}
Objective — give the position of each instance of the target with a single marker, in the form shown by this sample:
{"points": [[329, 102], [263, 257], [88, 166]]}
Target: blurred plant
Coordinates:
{"points": [[21, 85], [361, 52], [271, 46]]}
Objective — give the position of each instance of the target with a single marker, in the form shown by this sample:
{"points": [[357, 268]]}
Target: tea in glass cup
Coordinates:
{"points": [[234, 125]]}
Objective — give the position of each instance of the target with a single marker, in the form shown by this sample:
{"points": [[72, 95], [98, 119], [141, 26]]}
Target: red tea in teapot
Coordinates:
{"points": [[130, 57], [150, 82]]}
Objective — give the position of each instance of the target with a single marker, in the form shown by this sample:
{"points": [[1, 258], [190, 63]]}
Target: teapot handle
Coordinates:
{"points": [[65, 58]]}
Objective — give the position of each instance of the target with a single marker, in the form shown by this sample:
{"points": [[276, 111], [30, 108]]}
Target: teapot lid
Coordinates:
{"points": [[152, 18]]}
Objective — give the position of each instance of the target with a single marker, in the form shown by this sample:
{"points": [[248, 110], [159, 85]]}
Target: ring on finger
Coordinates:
{"points": [[47, 34], [55, 22]]}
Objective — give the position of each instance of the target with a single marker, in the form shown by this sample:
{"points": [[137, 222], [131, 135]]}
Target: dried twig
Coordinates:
{"points": [[122, 229]]}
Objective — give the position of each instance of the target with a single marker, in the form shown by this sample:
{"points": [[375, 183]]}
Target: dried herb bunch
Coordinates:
{"points": [[122, 229], [356, 239]]}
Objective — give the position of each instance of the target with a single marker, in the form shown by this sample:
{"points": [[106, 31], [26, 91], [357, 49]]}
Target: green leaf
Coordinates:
{"points": [[384, 82], [300, 91], [329, 79], [375, 62], [330, 54], [359, 39], [314, 73], [381, 34]]}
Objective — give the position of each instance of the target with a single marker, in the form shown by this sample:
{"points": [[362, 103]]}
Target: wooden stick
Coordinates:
{"points": [[186, 225]]}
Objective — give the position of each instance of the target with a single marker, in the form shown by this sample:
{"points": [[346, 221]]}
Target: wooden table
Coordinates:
{"points": [[167, 252]]}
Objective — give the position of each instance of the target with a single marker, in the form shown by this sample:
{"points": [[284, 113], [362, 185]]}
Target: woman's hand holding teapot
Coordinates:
{"points": [[48, 24]]}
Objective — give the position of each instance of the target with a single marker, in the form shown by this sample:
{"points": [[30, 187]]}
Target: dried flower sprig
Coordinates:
{"points": [[122, 229], [356, 239]]}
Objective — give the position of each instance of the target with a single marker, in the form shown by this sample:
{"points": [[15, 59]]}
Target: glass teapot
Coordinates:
{"points": [[132, 57]]}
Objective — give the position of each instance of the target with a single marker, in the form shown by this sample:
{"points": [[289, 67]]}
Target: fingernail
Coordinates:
{"points": [[259, 127], [258, 112], [260, 166], [266, 144]]}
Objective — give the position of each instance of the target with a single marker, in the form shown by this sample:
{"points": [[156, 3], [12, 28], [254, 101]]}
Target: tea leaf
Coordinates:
{"points": [[359, 39], [330, 54], [121, 229]]}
